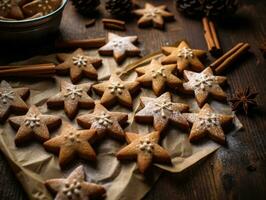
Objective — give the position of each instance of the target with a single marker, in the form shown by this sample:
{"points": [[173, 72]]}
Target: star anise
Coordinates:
{"points": [[263, 49], [244, 100]]}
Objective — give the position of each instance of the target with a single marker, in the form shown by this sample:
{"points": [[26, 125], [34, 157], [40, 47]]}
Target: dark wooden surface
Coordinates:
{"points": [[236, 171]]}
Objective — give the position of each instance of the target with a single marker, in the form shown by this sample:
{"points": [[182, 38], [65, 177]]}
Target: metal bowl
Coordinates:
{"points": [[31, 29]]}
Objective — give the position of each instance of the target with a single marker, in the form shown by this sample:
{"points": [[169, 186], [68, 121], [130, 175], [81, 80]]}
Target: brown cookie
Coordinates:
{"points": [[184, 57], [161, 111], [72, 142], [41, 6], [115, 90], [11, 100], [158, 76], [72, 97], [145, 149], [33, 125], [204, 84], [75, 187], [153, 15], [10, 9], [208, 122], [79, 64], [120, 47], [104, 121]]}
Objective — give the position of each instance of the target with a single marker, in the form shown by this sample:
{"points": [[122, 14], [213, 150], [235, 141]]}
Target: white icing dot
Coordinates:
{"points": [[72, 190], [32, 121], [209, 120], [73, 137], [146, 146], [73, 92], [79, 60], [116, 88], [203, 81], [162, 107], [159, 72], [6, 96], [5, 5], [185, 53], [104, 119]]}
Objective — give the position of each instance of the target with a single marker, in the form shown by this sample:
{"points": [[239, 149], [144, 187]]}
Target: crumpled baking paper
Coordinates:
{"points": [[33, 165]]}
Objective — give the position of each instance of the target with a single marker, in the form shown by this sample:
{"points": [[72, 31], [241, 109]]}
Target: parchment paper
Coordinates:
{"points": [[33, 165]]}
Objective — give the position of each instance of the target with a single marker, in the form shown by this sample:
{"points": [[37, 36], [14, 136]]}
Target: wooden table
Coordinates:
{"points": [[236, 171]]}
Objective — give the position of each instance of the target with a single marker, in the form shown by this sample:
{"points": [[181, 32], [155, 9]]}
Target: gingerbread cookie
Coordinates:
{"points": [[184, 57], [11, 100], [10, 9], [120, 47], [116, 90], [153, 15], [72, 97], [145, 149], [104, 121], [72, 142], [161, 111], [158, 76], [75, 187], [203, 84], [79, 63], [208, 122], [41, 6], [33, 125]]}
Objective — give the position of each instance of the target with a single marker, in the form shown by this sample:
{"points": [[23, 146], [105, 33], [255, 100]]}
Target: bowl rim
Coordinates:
{"points": [[37, 18]]}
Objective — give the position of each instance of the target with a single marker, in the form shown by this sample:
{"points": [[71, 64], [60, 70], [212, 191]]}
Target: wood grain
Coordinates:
{"points": [[236, 171]]}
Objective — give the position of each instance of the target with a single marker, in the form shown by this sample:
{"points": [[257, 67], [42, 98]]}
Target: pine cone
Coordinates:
{"points": [[206, 7], [119, 8], [86, 7]]}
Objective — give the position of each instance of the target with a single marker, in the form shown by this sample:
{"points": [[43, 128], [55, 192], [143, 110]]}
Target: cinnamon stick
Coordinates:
{"points": [[85, 43], [228, 61], [114, 24], [220, 60], [27, 70], [210, 35]]}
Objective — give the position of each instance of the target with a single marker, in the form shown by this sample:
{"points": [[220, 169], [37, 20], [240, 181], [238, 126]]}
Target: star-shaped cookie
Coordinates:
{"points": [[75, 187], [33, 125], [120, 47], [208, 122], [145, 149], [41, 6], [203, 84], [104, 121], [115, 90], [72, 142], [184, 57], [72, 97], [158, 76], [161, 111], [79, 63], [11, 100], [153, 15], [10, 9]]}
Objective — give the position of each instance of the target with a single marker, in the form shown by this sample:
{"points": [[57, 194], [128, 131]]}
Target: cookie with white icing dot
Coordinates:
{"points": [[120, 47], [33, 125], [41, 6], [153, 15], [72, 142], [145, 149], [72, 97], [79, 64], [184, 57], [10, 9], [12, 100], [161, 111], [208, 123], [75, 187], [204, 84], [116, 90], [158, 76], [104, 121]]}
